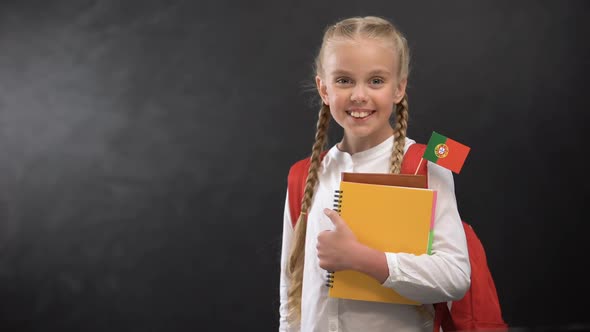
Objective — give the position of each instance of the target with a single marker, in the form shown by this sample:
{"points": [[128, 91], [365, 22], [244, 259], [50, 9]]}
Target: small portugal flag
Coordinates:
{"points": [[446, 152]]}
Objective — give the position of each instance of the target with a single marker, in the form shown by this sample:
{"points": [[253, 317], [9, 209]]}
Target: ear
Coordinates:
{"points": [[400, 90], [322, 89]]}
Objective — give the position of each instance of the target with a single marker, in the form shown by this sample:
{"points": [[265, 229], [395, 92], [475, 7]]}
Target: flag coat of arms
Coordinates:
{"points": [[446, 152]]}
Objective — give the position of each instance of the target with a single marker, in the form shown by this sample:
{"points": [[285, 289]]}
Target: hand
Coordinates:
{"points": [[336, 247]]}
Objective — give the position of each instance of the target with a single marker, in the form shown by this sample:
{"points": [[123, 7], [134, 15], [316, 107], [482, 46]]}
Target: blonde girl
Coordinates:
{"points": [[361, 76]]}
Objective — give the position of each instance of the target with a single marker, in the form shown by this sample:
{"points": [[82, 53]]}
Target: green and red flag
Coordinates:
{"points": [[446, 152]]}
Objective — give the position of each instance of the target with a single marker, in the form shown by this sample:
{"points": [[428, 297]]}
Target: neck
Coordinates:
{"points": [[352, 144]]}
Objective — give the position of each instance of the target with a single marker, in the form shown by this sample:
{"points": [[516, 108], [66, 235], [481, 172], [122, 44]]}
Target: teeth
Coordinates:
{"points": [[360, 114]]}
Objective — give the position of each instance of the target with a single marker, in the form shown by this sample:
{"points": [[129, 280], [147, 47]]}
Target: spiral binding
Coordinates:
{"points": [[337, 208], [330, 279], [338, 200]]}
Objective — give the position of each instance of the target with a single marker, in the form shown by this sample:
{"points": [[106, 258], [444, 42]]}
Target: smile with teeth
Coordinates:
{"points": [[359, 114]]}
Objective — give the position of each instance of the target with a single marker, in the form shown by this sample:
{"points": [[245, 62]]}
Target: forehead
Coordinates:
{"points": [[359, 56]]}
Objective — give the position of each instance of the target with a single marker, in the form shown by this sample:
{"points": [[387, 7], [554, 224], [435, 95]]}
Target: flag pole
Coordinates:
{"points": [[420, 164]]}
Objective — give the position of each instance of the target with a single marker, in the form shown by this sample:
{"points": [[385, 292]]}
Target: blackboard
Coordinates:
{"points": [[144, 149]]}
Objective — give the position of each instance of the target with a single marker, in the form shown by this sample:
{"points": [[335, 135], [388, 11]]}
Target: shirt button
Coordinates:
{"points": [[333, 327]]}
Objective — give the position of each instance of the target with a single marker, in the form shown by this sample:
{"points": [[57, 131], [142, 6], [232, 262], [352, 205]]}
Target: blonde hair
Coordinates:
{"points": [[350, 28]]}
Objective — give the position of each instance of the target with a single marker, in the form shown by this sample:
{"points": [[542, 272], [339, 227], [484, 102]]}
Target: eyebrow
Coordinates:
{"points": [[378, 72]]}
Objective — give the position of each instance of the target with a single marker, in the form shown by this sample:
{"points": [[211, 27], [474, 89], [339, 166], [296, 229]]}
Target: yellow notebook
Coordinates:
{"points": [[388, 218]]}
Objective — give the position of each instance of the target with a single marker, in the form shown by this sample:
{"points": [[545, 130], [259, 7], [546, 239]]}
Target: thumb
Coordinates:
{"points": [[334, 217]]}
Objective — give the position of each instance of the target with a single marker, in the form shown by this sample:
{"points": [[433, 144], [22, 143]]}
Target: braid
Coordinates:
{"points": [[319, 145], [297, 254], [400, 130]]}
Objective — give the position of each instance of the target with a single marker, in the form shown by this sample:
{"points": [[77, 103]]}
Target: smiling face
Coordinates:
{"points": [[359, 82]]}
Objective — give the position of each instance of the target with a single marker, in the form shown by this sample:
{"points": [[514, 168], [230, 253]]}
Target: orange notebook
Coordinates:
{"points": [[385, 217]]}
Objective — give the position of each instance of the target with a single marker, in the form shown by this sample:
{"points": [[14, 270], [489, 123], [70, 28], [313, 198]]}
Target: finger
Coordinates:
{"points": [[322, 239], [334, 217]]}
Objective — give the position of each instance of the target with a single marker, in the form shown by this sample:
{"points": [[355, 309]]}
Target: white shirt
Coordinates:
{"points": [[440, 277]]}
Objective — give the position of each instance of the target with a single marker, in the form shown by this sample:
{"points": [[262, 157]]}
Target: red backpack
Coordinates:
{"points": [[480, 308]]}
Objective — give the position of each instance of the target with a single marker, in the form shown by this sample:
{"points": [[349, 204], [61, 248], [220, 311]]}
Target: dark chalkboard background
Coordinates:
{"points": [[144, 149]]}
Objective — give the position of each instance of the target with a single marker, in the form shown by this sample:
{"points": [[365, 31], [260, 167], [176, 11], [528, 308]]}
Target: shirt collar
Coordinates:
{"points": [[363, 156]]}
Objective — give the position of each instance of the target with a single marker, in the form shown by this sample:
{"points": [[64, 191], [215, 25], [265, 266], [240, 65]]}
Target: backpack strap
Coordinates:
{"points": [[296, 185], [413, 160]]}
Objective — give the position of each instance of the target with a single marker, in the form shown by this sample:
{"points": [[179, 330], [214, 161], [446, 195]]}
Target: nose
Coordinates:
{"points": [[359, 94]]}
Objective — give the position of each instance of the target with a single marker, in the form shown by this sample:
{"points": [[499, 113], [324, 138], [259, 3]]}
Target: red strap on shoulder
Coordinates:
{"points": [[296, 185], [413, 159], [296, 177]]}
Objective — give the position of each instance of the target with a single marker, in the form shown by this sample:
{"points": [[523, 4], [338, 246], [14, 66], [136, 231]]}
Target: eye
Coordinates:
{"points": [[377, 81], [343, 80]]}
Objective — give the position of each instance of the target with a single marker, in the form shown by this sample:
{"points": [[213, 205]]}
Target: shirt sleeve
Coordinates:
{"points": [[445, 274], [284, 284]]}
